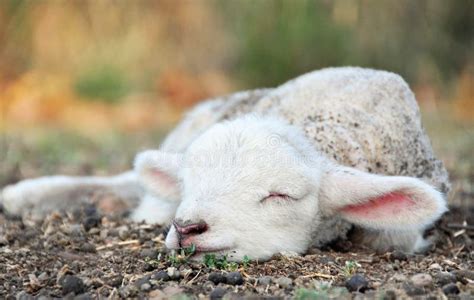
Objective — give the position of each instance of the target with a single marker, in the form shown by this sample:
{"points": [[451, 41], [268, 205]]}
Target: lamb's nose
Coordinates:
{"points": [[189, 228]]}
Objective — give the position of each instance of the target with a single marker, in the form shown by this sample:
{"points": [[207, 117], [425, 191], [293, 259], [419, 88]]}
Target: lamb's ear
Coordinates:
{"points": [[379, 202], [158, 172]]}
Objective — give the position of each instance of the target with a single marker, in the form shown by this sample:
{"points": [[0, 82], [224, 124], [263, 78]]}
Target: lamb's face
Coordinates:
{"points": [[245, 193]]}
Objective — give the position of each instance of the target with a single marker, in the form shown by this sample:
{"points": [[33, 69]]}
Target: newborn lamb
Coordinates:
{"points": [[277, 170]]}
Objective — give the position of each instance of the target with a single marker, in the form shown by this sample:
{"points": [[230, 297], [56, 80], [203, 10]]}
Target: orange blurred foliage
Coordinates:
{"points": [[464, 100], [36, 100]]}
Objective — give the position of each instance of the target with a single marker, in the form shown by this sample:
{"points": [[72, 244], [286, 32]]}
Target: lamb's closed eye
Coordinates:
{"points": [[276, 196]]}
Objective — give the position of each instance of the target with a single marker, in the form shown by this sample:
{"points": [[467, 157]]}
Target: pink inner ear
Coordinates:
{"points": [[163, 178], [381, 207]]}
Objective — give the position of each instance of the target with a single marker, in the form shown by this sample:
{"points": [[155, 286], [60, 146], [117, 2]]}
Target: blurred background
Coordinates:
{"points": [[86, 84]]}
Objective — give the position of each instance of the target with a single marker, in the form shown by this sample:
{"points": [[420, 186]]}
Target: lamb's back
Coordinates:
{"points": [[362, 118], [357, 117]]}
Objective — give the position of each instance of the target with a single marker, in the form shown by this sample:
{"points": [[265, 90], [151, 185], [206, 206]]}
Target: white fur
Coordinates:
{"points": [[347, 124], [228, 170]]}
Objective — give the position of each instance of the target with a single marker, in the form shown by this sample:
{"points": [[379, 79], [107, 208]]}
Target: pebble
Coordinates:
{"points": [[72, 284], [435, 267], [390, 295], [43, 276], [217, 293], [234, 278], [412, 290], [284, 282], [88, 247], [173, 273], [145, 287], [398, 255], [265, 280], [451, 289], [24, 296], [357, 283], [421, 280], [161, 275], [443, 278], [149, 253], [115, 281], [91, 222], [123, 232], [84, 296], [217, 277]]}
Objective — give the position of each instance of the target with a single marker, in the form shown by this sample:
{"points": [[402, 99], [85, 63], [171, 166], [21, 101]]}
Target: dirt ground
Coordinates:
{"points": [[93, 252]]}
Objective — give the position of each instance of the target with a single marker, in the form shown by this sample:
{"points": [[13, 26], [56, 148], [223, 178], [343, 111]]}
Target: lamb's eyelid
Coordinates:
{"points": [[277, 195]]}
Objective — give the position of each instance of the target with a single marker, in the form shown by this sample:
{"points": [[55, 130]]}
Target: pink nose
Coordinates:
{"points": [[187, 228]]}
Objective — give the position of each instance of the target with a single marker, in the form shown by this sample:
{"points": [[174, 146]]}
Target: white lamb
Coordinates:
{"points": [[276, 170]]}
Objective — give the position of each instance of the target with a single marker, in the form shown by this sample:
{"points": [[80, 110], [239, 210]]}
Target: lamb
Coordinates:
{"points": [[277, 170]]}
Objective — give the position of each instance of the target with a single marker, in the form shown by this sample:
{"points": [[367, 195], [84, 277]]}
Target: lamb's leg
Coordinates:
{"points": [[42, 195]]}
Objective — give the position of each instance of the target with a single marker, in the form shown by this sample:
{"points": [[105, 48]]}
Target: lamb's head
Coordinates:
{"points": [[257, 187]]}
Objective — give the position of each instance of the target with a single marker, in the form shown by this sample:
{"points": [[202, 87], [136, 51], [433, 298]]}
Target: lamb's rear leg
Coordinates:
{"points": [[42, 195]]}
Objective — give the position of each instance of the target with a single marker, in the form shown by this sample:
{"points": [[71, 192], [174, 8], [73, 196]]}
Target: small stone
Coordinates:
{"points": [[148, 267], [24, 296], [123, 232], [90, 210], [389, 295], [451, 289], [435, 267], [145, 287], [145, 279], [84, 296], [173, 273], [412, 290], [72, 284], [88, 247], [443, 278], [234, 278], [149, 253], [217, 277], [398, 255], [161, 275], [115, 281], [265, 280], [43, 276], [421, 280], [91, 222], [217, 293], [284, 282], [357, 283]]}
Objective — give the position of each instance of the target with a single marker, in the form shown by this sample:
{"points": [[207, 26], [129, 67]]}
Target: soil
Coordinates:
{"points": [[88, 254]]}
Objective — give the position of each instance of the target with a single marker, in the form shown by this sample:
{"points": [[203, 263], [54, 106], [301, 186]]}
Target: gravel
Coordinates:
{"points": [[55, 258]]}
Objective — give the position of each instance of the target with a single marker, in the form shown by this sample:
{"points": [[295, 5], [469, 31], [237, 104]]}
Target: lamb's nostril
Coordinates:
{"points": [[190, 229]]}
